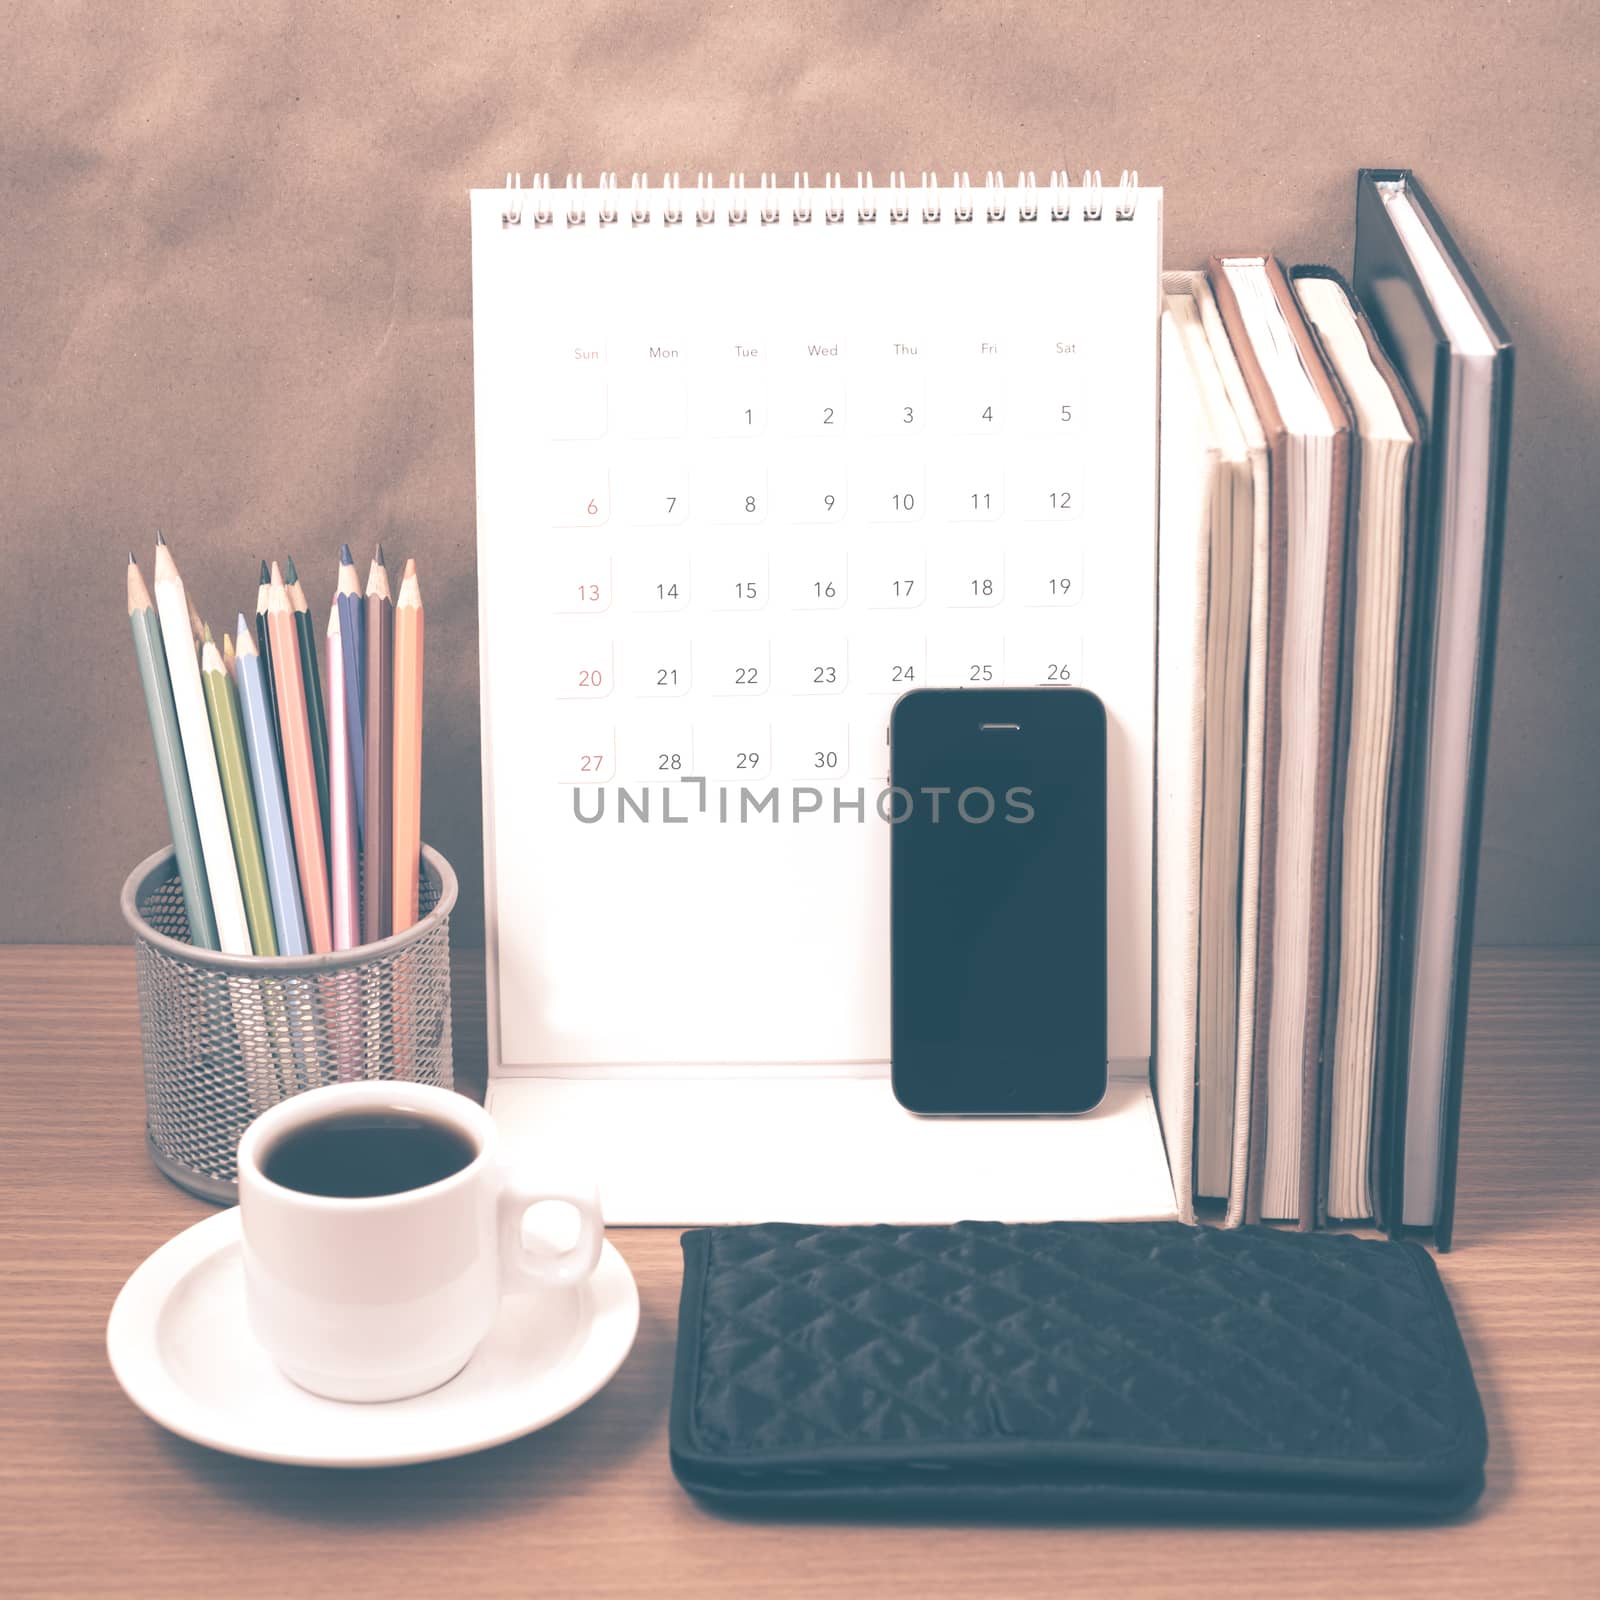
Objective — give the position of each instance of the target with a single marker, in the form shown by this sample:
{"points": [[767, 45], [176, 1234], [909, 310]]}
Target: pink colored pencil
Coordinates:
{"points": [[407, 748], [295, 729], [342, 825]]}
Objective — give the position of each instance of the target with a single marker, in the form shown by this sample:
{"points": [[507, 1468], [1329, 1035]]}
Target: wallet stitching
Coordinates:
{"points": [[787, 1338], [1474, 1427], [1025, 1345], [1428, 1282], [1120, 1336], [1273, 1372], [1076, 1320], [1380, 1502], [1259, 1274], [701, 1242], [1022, 1344]]}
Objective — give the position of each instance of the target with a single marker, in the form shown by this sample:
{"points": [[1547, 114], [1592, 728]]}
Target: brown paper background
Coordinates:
{"points": [[235, 286]]}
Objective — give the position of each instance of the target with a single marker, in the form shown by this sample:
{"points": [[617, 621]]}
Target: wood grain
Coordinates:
{"points": [[95, 1499]]}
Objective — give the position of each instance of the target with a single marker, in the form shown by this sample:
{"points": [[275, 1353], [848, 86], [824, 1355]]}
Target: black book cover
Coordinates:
{"points": [[1411, 333]]}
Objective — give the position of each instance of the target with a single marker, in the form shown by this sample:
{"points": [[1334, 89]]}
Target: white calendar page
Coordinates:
{"points": [[741, 484]]}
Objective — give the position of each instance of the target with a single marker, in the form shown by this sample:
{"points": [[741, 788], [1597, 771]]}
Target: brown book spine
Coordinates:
{"points": [[1324, 854], [1272, 427]]}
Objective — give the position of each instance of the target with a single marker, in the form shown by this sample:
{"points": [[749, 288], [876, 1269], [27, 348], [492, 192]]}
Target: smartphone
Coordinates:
{"points": [[997, 805]]}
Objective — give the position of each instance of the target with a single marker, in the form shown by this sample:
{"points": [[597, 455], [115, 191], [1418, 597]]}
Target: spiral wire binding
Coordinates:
{"points": [[1060, 195], [536, 202], [899, 205], [1027, 198], [866, 199], [543, 215], [1127, 196], [961, 206], [1093, 195], [994, 185], [833, 201]]}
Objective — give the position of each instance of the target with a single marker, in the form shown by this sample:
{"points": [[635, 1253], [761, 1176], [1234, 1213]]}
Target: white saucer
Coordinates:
{"points": [[183, 1352]]}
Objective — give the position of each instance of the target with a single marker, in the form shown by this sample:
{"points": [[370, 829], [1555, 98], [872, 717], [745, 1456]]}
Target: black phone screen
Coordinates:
{"points": [[998, 891]]}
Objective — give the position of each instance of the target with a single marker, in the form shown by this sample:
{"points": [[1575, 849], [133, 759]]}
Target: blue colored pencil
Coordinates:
{"points": [[353, 641], [272, 804]]}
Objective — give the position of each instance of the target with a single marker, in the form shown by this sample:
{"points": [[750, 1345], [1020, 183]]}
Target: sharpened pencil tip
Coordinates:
{"points": [[276, 578], [289, 572], [381, 561], [266, 577], [131, 561], [345, 558], [161, 538], [205, 633], [239, 626]]}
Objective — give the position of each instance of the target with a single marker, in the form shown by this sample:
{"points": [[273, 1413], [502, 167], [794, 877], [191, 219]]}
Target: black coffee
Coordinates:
{"points": [[366, 1153]]}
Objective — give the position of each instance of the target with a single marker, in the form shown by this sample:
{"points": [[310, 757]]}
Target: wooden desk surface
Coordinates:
{"points": [[96, 1500]]}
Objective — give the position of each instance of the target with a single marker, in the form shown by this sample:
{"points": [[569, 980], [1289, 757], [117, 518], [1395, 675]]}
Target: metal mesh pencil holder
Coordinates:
{"points": [[225, 1037]]}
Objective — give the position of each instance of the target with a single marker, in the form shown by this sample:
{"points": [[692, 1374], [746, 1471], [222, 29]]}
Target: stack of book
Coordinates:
{"points": [[1333, 486]]}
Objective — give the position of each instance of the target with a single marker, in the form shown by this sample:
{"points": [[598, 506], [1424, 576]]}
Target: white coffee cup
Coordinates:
{"points": [[381, 1297]]}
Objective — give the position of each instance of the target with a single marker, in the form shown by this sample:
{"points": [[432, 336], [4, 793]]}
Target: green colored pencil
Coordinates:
{"points": [[234, 769], [152, 654], [311, 678], [264, 650]]}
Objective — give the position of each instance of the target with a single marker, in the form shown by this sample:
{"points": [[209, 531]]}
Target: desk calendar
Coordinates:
{"points": [[752, 461]]}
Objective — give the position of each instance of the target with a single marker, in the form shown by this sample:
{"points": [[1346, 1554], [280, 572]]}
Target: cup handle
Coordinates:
{"points": [[520, 1268]]}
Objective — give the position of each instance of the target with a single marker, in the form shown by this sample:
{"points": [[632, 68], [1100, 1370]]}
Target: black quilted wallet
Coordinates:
{"points": [[1072, 1368]]}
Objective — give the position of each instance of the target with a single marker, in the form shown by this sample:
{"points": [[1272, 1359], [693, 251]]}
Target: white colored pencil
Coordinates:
{"points": [[199, 756]]}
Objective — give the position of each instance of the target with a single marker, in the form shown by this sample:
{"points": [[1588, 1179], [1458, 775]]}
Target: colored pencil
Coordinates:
{"points": [[298, 771], [343, 834], [408, 631], [264, 647], [377, 884], [272, 804], [234, 768], [205, 785], [158, 703], [311, 677], [353, 642]]}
